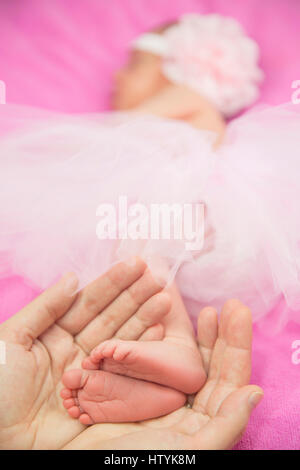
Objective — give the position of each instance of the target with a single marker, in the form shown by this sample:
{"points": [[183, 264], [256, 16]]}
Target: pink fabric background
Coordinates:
{"points": [[61, 54]]}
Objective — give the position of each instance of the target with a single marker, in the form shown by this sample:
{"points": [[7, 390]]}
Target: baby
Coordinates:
{"points": [[141, 86], [123, 381]]}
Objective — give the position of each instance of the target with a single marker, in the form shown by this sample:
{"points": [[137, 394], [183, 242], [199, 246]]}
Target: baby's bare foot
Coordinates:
{"points": [[101, 397], [167, 363]]}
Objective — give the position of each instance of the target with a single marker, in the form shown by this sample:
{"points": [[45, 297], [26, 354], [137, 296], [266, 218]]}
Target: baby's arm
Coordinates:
{"points": [[209, 120], [182, 103], [174, 102]]}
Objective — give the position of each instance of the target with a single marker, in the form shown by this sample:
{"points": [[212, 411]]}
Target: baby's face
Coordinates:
{"points": [[139, 80]]}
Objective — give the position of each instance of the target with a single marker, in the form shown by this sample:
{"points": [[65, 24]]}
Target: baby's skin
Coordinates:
{"points": [[127, 381]]}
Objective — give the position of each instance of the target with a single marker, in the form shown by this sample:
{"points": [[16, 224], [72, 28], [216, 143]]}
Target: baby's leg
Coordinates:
{"points": [[174, 362], [177, 324], [100, 397]]}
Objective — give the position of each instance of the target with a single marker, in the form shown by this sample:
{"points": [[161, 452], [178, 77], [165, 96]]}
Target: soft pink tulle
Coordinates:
{"points": [[57, 169]]}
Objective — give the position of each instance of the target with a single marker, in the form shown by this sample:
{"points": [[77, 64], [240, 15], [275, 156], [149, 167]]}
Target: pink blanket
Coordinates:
{"points": [[61, 54]]}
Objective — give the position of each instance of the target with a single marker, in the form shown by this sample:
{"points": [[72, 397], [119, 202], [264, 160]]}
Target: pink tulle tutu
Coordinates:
{"points": [[56, 170]]}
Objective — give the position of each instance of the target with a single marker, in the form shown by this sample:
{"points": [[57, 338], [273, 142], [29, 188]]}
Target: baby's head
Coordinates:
{"points": [[140, 78], [209, 54]]}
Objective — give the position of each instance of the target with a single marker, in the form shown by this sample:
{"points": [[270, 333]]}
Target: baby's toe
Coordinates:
{"points": [[73, 379], [74, 412], [104, 350], [85, 419], [69, 403], [121, 351], [88, 364], [66, 393]]}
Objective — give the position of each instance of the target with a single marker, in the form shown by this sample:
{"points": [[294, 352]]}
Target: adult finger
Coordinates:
{"points": [[154, 333], [227, 427], [207, 334], [43, 312], [112, 318], [150, 313], [230, 364], [95, 297]]}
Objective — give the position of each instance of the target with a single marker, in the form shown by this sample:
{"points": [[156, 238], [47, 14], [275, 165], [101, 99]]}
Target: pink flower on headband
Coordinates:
{"points": [[212, 55]]}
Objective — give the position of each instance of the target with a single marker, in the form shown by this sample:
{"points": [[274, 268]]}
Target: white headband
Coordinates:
{"points": [[212, 55], [151, 42]]}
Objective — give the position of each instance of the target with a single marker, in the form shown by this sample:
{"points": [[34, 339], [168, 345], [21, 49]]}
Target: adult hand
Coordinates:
{"points": [[220, 411], [53, 334]]}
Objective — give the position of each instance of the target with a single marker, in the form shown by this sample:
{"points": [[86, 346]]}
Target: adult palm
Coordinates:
{"points": [[54, 333]]}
